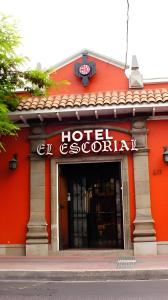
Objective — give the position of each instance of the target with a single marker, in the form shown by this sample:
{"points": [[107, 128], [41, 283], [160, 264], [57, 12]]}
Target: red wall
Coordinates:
{"points": [[156, 86], [158, 172], [14, 190], [14, 185], [107, 78]]}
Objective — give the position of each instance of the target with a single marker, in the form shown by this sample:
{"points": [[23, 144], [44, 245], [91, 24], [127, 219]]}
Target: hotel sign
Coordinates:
{"points": [[88, 141]]}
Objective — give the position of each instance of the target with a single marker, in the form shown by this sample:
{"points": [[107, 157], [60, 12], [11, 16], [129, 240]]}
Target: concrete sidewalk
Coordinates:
{"points": [[71, 266]]}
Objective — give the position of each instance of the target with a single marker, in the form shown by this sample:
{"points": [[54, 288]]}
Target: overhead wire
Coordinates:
{"points": [[127, 34]]}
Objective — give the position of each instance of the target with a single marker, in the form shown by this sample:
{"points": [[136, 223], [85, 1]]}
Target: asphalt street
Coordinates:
{"points": [[121, 290]]}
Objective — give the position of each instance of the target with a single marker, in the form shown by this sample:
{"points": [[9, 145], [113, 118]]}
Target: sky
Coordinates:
{"points": [[54, 30]]}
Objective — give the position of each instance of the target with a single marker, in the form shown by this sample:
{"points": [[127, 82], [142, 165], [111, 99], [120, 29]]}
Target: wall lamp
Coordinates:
{"points": [[13, 162], [165, 154]]}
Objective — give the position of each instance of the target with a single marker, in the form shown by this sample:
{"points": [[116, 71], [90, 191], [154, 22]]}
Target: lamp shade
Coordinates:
{"points": [[165, 154], [13, 162]]}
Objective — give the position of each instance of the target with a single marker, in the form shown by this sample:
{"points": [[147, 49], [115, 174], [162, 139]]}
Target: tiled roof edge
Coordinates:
{"points": [[95, 99]]}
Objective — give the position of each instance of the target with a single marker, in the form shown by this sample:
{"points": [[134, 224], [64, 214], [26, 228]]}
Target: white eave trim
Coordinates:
{"points": [[97, 111], [155, 80]]}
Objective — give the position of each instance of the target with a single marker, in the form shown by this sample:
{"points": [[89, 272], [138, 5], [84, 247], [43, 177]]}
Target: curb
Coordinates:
{"points": [[85, 275]]}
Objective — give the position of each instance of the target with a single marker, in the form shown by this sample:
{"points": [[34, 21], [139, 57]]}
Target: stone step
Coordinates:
{"points": [[90, 252]]}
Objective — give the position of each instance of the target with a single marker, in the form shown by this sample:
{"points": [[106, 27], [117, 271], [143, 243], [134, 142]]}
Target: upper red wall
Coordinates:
{"points": [[155, 86], [107, 78]]}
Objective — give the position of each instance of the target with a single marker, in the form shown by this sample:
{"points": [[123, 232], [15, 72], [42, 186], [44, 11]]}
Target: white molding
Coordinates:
{"points": [[84, 108], [23, 125], [57, 206], [162, 243], [157, 118], [12, 245], [155, 80], [23, 120], [71, 112], [93, 54], [123, 160], [162, 248], [12, 249]]}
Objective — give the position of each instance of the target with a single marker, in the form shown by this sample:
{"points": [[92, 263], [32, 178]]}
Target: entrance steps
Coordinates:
{"points": [[95, 253]]}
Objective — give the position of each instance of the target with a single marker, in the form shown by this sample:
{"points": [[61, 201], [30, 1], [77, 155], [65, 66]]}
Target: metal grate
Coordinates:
{"points": [[126, 262], [95, 206]]}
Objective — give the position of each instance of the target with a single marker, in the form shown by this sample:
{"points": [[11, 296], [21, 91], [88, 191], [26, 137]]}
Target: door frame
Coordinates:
{"points": [[55, 162]]}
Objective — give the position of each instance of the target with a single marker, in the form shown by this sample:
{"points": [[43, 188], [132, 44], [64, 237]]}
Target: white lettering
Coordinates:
{"points": [[99, 134], [49, 149], [133, 143], [94, 146], [115, 146], [66, 136], [83, 147], [77, 133], [87, 141], [62, 147], [124, 146], [41, 149], [107, 146], [88, 134], [74, 149], [107, 137]]}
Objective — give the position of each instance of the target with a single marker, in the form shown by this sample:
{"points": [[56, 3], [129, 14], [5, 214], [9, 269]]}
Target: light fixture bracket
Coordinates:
{"points": [[13, 162]]}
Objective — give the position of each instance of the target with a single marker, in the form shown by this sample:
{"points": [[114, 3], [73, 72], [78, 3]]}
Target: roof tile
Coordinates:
{"points": [[121, 101], [70, 103], [107, 101], [77, 104], [114, 100], [84, 102], [100, 101], [92, 99], [136, 100]]}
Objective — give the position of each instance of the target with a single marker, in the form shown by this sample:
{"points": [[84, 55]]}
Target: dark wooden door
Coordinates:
{"points": [[94, 205]]}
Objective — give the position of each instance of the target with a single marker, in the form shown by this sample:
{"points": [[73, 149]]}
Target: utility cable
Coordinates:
{"points": [[127, 31]]}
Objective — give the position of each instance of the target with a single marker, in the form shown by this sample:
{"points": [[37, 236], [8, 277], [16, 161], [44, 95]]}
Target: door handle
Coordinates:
{"points": [[68, 197]]}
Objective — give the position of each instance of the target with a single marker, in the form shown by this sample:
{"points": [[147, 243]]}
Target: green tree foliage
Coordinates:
{"points": [[13, 76]]}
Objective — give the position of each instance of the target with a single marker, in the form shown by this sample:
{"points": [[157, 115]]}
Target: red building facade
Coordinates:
{"points": [[90, 170]]}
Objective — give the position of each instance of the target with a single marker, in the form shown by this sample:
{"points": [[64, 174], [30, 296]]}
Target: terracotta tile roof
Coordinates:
{"points": [[93, 99]]}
